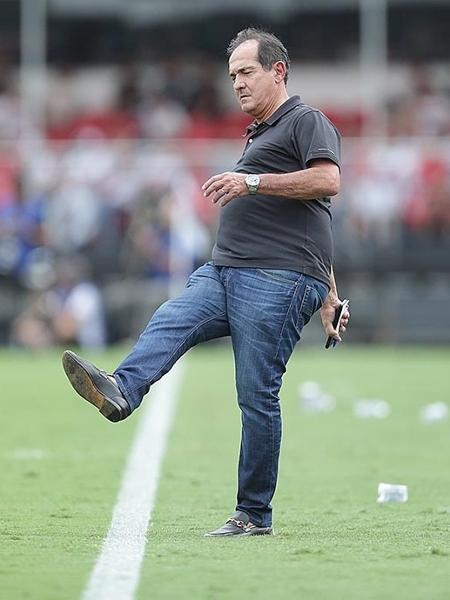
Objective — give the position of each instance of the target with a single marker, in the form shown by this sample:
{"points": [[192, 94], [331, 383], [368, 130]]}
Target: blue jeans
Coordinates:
{"points": [[264, 312]]}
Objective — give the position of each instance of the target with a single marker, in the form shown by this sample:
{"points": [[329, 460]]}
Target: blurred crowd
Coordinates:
{"points": [[134, 211], [394, 210], [185, 98], [423, 111], [131, 211], [171, 99], [111, 195]]}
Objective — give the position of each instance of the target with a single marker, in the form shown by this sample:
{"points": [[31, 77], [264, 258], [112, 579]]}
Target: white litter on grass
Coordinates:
{"points": [[435, 412], [392, 492], [367, 408], [313, 399], [117, 570], [29, 454]]}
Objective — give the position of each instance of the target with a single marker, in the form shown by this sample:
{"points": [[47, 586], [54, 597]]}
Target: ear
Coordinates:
{"points": [[279, 71]]}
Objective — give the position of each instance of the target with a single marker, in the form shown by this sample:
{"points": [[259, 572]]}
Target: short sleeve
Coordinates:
{"points": [[314, 136]]}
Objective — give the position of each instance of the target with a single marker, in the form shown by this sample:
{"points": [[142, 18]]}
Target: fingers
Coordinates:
{"points": [[217, 191], [344, 321], [213, 185], [222, 196], [334, 334], [331, 331], [328, 313], [343, 325], [224, 187]]}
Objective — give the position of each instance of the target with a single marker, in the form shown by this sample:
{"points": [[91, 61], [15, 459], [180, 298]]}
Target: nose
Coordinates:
{"points": [[238, 84]]}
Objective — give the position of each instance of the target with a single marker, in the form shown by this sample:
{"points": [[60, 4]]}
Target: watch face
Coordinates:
{"points": [[252, 180]]}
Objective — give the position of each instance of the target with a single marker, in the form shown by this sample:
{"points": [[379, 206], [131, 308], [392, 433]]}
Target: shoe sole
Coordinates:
{"points": [[83, 384], [265, 531]]}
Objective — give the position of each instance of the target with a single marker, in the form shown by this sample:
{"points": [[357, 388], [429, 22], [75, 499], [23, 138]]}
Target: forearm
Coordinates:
{"points": [[307, 184], [320, 180], [332, 300], [333, 293]]}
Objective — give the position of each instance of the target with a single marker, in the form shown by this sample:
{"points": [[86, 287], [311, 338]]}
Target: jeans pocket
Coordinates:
{"points": [[281, 275], [322, 291], [206, 270], [312, 299]]}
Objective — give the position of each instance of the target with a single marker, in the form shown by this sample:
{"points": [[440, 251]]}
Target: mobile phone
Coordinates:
{"points": [[331, 341]]}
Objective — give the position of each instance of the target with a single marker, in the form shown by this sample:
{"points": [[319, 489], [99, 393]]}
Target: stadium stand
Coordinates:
{"points": [[122, 116]]}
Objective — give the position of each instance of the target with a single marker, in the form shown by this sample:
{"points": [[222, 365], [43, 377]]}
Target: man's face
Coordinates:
{"points": [[253, 86]]}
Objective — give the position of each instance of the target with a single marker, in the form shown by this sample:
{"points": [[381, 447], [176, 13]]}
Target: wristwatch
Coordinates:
{"points": [[252, 182]]}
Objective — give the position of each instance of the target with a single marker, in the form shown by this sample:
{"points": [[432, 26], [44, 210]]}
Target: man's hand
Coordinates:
{"points": [[225, 187], [327, 313]]}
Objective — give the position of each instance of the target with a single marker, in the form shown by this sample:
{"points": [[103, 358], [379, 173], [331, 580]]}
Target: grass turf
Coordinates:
{"points": [[333, 541], [61, 467]]}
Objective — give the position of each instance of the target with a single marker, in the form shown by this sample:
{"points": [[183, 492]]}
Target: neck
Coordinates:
{"points": [[272, 107]]}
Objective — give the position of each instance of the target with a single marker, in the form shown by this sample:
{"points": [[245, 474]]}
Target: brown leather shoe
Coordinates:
{"points": [[96, 386], [239, 524]]}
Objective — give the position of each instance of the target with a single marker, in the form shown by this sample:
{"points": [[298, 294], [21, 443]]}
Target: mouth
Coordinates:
{"points": [[244, 97]]}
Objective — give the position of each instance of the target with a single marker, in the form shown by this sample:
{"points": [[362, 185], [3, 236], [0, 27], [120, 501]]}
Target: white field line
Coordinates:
{"points": [[116, 572]]}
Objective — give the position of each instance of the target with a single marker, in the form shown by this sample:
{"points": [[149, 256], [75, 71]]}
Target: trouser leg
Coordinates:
{"points": [[266, 316], [196, 315]]}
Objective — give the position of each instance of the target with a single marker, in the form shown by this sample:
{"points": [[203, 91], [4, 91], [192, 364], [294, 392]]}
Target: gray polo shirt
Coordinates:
{"points": [[272, 231]]}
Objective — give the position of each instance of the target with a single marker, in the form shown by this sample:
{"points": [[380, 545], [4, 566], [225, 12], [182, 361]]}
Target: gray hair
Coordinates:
{"points": [[270, 48]]}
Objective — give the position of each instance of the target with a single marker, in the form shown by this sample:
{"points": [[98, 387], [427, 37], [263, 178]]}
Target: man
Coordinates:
{"points": [[271, 270]]}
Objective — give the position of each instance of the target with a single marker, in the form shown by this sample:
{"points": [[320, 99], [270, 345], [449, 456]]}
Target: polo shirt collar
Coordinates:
{"points": [[286, 107]]}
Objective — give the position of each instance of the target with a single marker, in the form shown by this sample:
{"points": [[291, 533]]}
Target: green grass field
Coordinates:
{"points": [[61, 467]]}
